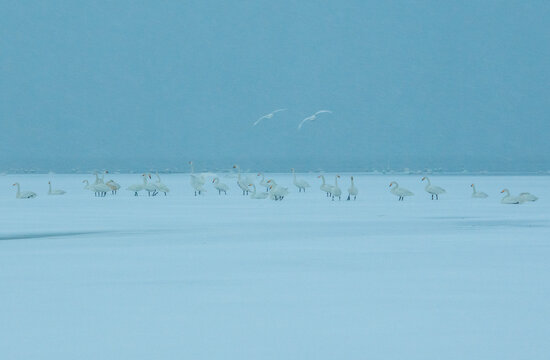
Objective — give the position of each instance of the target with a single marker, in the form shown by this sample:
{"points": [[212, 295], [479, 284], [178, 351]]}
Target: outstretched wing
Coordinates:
{"points": [[323, 111]]}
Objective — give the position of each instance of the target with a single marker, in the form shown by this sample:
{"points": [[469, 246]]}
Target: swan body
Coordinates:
{"points": [[432, 189], [242, 183], [336, 191], [263, 182], [276, 192], [352, 190], [137, 187], [525, 196], [197, 181], [54, 192], [113, 185], [25, 194], [257, 195], [221, 187], [325, 187], [478, 194], [301, 184], [160, 186], [509, 199], [150, 187], [99, 189], [399, 191]]}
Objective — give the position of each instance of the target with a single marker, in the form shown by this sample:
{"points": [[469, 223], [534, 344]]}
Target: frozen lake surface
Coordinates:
{"points": [[227, 277]]}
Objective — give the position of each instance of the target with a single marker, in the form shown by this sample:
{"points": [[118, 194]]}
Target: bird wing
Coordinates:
{"points": [[323, 111], [260, 119], [278, 110]]}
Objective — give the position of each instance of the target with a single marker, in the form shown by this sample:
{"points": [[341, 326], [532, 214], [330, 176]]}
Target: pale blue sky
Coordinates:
{"points": [[134, 84]]}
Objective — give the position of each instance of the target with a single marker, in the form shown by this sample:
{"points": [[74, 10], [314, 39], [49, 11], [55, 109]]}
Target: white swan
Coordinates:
{"points": [[150, 187], [160, 186], [276, 192], [113, 185], [336, 191], [301, 184], [352, 190], [478, 194], [99, 189], [242, 184], [268, 116], [325, 187], [54, 192], [263, 182], [137, 187], [24, 195], [432, 189], [197, 181], [509, 199], [399, 191], [313, 117], [257, 195], [220, 186], [525, 196]]}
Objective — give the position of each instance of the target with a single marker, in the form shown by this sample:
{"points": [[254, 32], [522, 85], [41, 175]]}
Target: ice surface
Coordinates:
{"points": [[227, 277]]}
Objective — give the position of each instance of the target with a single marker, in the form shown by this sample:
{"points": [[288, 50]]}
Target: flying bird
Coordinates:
{"points": [[268, 116], [313, 117]]}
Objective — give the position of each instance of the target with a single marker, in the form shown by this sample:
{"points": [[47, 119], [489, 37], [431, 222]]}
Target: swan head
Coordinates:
{"points": [[424, 178], [190, 162], [268, 181], [15, 184], [49, 182], [352, 178], [472, 185], [338, 176], [249, 184], [393, 182], [259, 174], [505, 190], [149, 176], [270, 187]]}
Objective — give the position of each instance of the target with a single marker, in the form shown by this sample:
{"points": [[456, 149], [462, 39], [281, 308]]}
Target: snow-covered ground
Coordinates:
{"points": [[227, 277]]}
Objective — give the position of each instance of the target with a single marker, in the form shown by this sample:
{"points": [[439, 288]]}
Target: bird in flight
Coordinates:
{"points": [[268, 116], [313, 117]]}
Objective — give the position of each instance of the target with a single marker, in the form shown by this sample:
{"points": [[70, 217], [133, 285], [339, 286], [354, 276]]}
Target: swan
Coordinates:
{"points": [[478, 195], [432, 189], [509, 199], [113, 185], [277, 192], [257, 195], [313, 117], [352, 190], [160, 186], [299, 183], [399, 191], [220, 186], [263, 182], [268, 116], [24, 195], [99, 189], [150, 187], [242, 184], [336, 191], [197, 181], [525, 196], [137, 187], [54, 192], [325, 187]]}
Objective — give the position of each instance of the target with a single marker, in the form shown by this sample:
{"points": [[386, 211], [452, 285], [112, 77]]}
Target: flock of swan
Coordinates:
{"points": [[273, 191]]}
